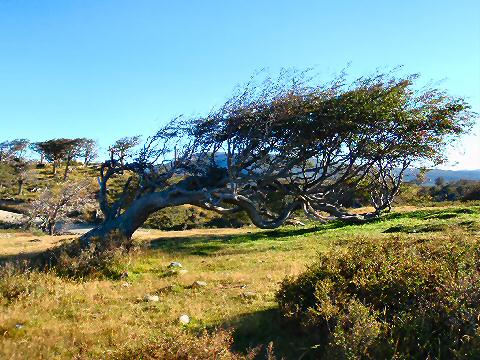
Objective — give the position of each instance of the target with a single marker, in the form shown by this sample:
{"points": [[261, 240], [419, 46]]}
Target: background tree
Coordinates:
{"points": [[7, 175], [56, 150], [88, 150], [10, 150], [286, 144], [122, 148], [440, 181], [72, 149], [15, 166], [54, 204], [421, 176], [23, 173]]}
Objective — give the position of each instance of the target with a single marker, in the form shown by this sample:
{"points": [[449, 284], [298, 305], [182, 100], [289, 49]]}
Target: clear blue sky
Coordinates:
{"points": [[106, 69]]}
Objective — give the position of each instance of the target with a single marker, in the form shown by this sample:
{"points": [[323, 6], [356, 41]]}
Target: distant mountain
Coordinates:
{"points": [[410, 174], [447, 175]]}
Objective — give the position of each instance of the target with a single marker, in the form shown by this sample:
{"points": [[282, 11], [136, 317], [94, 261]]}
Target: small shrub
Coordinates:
{"points": [[185, 217], [393, 299], [17, 285], [105, 258]]}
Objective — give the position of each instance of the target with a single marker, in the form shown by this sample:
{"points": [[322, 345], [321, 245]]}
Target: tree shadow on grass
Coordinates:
{"points": [[267, 328], [445, 213], [206, 245]]}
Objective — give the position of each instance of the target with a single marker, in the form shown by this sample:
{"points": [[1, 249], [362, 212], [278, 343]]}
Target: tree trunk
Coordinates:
{"points": [[137, 213], [51, 228], [20, 187], [54, 167], [65, 174]]}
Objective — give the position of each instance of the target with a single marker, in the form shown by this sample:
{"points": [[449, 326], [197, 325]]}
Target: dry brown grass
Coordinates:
{"points": [[25, 243]]}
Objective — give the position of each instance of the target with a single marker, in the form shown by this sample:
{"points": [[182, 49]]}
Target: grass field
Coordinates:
{"points": [[47, 316]]}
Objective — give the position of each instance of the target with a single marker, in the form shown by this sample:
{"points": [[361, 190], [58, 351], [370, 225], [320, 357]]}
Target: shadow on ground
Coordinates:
{"points": [[207, 245], [267, 331]]}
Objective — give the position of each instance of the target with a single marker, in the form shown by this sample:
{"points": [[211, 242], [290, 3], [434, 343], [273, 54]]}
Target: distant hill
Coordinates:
{"points": [[448, 175], [410, 174]]}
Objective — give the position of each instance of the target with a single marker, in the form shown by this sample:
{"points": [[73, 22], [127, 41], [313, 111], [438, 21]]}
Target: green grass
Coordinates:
{"points": [[102, 318]]}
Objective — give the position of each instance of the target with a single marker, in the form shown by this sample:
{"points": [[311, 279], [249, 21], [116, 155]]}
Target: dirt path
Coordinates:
{"points": [[10, 217]]}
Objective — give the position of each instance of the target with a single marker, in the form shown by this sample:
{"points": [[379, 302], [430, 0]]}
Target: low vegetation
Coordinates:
{"points": [[395, 299], [377, 284]]}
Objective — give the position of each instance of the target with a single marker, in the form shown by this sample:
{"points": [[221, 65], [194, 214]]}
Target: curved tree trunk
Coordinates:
{"points": [[137, 213]]}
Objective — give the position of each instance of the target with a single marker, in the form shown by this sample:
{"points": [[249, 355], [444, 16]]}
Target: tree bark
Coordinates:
{"points": [[51, 227], [137, 213], [65, 174]]}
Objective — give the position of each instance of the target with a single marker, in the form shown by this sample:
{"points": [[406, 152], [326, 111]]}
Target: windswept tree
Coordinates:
{"points": [[88, 150], [14, 149], [122, 148], [72, 149], [23, 172], [284, 145], [54, 204], [14, 162], [52, 150], [57, 150]]}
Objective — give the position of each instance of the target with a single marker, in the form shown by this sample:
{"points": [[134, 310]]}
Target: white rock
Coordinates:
{"points": [[198, 284], [152, 298], [184, 319], [175, 264]]}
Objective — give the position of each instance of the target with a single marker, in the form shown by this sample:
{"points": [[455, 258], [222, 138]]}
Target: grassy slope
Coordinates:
{"points": [[103, 318]]}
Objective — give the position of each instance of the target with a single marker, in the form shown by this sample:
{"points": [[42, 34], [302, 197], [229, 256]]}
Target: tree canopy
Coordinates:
{"points": [[280, 145]]}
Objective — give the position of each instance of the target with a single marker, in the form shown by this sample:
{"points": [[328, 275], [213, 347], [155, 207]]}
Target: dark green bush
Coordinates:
{"points": [[464, 190], [191, 217], [394, 299]]}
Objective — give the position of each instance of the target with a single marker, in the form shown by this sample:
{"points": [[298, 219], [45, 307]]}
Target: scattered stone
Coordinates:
{"points": [[249, 295], [175, 264], [198, 284], [19, 326], [182, 272], [184, 319], [126, 284], [151, 298], [124, 275]]}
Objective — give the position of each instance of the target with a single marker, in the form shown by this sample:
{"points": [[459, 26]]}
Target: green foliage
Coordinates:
{"points": [[7, 176], [457, 190], [399, 299], [191, 217]]}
